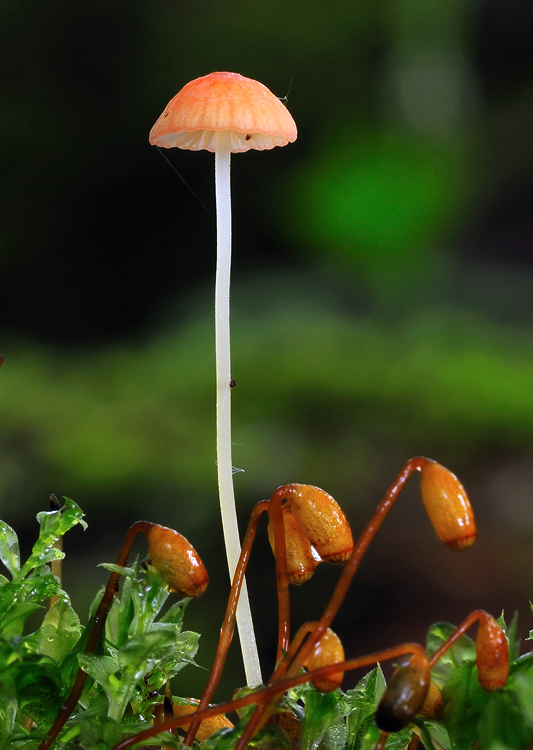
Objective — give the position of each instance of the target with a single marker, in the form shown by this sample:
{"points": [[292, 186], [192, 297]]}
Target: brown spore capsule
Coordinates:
{"points": [[329, 650], [177, 561], [207, 726], [432, 706], [447, 506], [492, 655], [322, 520]]}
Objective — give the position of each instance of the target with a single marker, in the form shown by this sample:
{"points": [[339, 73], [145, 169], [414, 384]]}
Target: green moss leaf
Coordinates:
{"points": [[464, 701], [399, 740], [38, 685], [175, 613], [269, 737], [361, 702], [9, 548], [524, 692], [511, 631], [14, 618], [123, 571], [463, 650], [58, 522], [100, 732], [54, 524], [503, 722], [433, 733], [60, 631], [321, 711]]}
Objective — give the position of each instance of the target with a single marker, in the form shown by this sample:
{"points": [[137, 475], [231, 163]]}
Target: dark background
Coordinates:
{"points": [[382, 291]]}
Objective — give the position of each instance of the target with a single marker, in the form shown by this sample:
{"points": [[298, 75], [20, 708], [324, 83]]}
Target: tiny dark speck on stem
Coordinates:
{"points": [[232, 383]]}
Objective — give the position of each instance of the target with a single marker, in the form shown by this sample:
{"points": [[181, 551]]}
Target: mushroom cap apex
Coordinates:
{"points": [[224, 101]]}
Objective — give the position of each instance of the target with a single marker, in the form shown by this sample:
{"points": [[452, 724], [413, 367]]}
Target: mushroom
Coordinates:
{"points": [[225, 113]]}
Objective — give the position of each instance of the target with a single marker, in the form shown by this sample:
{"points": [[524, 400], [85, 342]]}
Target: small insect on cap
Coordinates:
{"points": [[224, 102]]}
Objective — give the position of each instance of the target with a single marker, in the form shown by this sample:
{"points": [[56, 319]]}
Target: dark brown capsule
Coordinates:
{"points": [[405, 695]]}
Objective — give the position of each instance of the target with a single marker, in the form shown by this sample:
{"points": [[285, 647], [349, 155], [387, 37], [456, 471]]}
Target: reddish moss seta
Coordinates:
{"points": [[492, 655], [177, 561], [447, 505]]}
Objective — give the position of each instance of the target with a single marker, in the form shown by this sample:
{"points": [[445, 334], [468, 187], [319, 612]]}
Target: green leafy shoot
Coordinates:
{"points": [[144, 647], [9, 548], [473, 718]]}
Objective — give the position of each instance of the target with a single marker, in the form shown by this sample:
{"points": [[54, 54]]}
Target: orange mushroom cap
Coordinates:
{"points": [[224, 102]]}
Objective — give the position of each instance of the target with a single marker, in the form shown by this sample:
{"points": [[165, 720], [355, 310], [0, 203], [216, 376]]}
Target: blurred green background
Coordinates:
{"points": [[382, 290]]}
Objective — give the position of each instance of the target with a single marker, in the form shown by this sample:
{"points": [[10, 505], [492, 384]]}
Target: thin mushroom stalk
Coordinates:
{"points": [[226, 113], [223, 401], [222, 348]]}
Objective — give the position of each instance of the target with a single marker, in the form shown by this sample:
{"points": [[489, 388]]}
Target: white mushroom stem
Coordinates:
{"points": [[223, 375]]}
